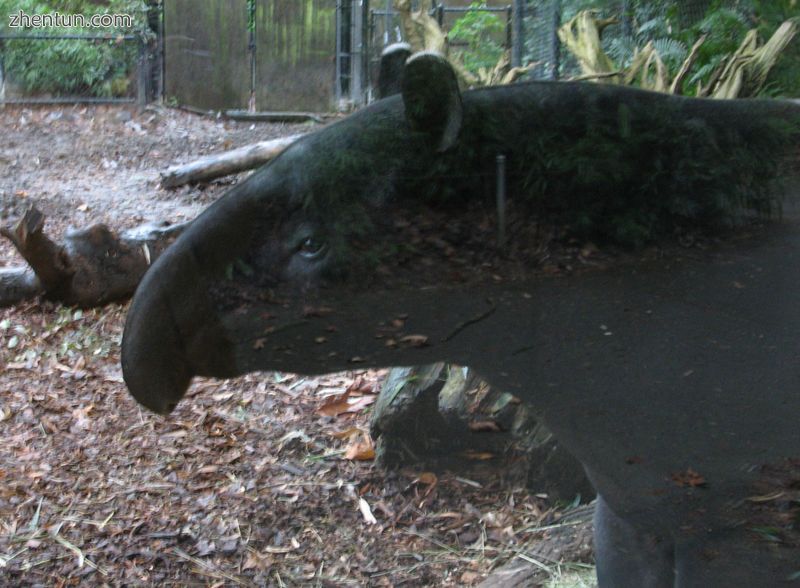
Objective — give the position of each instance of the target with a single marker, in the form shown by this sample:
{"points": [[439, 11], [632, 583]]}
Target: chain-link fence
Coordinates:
{"points": [[52, 58]]}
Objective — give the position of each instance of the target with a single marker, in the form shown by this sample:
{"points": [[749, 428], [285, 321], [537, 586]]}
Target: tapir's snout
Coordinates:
{"points": [[154, 362], [173, 332]]}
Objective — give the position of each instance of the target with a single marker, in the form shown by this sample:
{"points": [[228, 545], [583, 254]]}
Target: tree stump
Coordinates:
{"points": [[448, 415]]}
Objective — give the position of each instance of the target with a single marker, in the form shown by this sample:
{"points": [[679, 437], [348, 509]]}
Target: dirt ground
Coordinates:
{"points": [[262, 480]]}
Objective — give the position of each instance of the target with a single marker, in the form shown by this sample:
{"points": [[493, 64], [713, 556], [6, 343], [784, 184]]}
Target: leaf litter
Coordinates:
{"points": [[268, 479]]}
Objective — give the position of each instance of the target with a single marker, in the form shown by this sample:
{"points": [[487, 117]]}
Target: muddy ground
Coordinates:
{"points": [[262, 480]]}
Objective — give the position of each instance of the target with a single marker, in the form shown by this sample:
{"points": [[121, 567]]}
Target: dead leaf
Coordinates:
{"points": [[469, 578], [688, 478], [316, 311], [259, 343], [336, 405], [357, 404], [428, 478], [481, 426], [366, 512], [362, 449], [478, 455], [414, 340], [347, 433]]}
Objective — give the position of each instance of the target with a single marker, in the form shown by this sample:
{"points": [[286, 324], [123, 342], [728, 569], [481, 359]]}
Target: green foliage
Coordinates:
{"points": [[724, 29], [64, 67], [478, 29], [725, 22], [784, 79]]}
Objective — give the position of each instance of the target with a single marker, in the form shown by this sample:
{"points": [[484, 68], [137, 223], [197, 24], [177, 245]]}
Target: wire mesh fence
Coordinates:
{"points": [[52, 57], [316, 54], [67, 68]]}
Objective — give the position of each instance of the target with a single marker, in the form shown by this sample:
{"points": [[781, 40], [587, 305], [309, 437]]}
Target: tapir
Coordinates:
{"points": [[437, 225]]}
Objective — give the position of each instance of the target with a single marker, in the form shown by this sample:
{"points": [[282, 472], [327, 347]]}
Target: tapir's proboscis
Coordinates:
{"points": [[672, 371]]}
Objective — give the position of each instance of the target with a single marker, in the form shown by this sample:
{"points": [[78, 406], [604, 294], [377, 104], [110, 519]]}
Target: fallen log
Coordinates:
{"points": [[226, 163], [91, 267], [273, 117], [18, 284]]}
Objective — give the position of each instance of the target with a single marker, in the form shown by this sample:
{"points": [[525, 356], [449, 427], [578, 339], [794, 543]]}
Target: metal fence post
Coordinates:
{"points": [[556, 43], [162, 51], [337, 74], [2, 74], [509, 28], [251, 50], [355, 52], [141, 85], [519, 33]]}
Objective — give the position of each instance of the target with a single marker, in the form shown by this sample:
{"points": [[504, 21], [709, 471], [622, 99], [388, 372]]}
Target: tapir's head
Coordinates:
{"points": [[268, 266]]}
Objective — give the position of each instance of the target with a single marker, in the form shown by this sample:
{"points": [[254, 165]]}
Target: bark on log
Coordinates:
{"points": [[91, 267], [18, 284], [224, 164]]}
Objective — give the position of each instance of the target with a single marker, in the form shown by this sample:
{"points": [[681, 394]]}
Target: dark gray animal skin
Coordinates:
{"points": [[392, 64], [674, 378]]}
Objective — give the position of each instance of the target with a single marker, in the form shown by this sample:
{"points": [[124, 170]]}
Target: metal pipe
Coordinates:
{"points": [[501, 200]]}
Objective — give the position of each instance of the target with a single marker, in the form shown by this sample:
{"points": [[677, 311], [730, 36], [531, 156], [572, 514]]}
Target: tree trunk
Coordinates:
{"points": [[91, 267]]}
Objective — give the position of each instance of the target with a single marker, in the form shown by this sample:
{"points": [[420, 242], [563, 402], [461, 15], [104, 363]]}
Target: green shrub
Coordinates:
{"points": [[71, 67], [478, 30]]}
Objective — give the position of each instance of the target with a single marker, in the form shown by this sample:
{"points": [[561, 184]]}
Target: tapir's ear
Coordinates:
{"points": [[432, 99], [390, 75]]}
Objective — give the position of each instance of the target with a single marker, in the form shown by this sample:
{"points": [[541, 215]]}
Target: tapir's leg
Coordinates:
{"points": [[627, 557]]}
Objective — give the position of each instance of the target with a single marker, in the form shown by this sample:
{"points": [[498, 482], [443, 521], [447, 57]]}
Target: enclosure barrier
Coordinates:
{"points": [[141, 69]]}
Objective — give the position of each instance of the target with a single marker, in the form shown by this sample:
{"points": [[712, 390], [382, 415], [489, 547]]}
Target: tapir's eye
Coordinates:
{"points": [[311, 247]]}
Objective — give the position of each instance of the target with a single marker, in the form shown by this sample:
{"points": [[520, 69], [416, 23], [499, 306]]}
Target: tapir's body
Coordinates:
{"points": [[674, 380]]}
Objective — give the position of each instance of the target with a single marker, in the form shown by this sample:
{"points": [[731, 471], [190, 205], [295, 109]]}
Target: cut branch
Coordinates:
{"points": [[224, 164], [91, 267]]}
